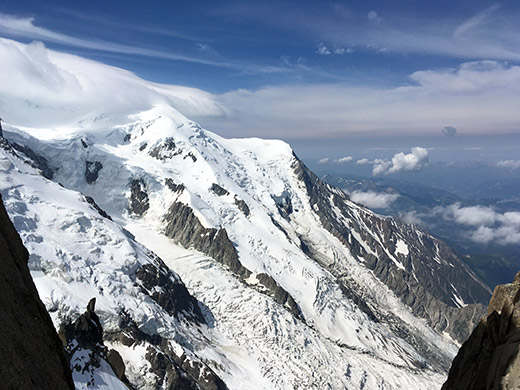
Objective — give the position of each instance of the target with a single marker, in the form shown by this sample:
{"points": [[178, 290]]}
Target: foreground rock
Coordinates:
{"points": [[490, 358], [31, 353]]}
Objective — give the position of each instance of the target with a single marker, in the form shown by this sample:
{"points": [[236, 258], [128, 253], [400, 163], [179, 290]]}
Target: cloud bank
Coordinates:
{"points": [[373, 199], [413, 161], [343, 160], [488, 225], [511, 164], [476, 98], [45, 88]]}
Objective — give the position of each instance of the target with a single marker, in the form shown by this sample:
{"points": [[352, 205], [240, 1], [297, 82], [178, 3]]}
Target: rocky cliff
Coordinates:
{"points": [[490, 358], [31, 353]]}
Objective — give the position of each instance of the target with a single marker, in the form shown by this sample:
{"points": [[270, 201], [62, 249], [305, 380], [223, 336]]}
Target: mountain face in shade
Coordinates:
{"points": [[490, 358], [31, 354]]}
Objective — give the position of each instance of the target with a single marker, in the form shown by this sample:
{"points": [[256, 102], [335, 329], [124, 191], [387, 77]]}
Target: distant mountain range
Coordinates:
{"points": [[427, 207]]}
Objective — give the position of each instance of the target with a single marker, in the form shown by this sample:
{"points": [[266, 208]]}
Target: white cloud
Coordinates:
{"points": [[489, 225], [343, 160], [373, 199], [323, 160], [373, 17], [472, 215], [44, 88], [381, 166], [363, 161], [323, 50], [414, 161], [475, 106], [511, 164], [411, 217], [25, 27], [476, 98]]}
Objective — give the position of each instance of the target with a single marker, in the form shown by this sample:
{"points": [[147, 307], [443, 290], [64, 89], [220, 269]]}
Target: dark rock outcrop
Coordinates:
{"points": [[92, 169], [35, 160], [85, 337], [90, 200], [490, 358], [242, 206], [31, 354], [172, 371], [220, 191], [165, 150], [139, 202], [172, 295], [184, 227], [173, 186]]}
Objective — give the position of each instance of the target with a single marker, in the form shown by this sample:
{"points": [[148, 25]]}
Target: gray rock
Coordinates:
{"points": [[92, 169], [31, 354], [242, 206], [219, 190], [169, 293], [490, 358], [139, 202], [35, 160], [185, 228]]}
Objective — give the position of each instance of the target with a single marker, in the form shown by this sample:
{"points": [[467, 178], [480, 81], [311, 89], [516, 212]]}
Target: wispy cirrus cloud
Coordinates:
{"points": [[485, 33], [26, 28]]}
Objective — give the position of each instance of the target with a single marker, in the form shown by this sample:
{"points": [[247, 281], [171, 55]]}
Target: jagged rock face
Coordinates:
{"points": [[219, 190], [422, 276], [31, 353], [490, 358], [184, 227], [83, 340], [101, 212], [165, 150], [171, 295], [92, 169], [242, 206], [35, 159], [139, 202], [171, 369]]}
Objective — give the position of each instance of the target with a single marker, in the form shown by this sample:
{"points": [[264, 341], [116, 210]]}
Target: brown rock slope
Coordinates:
{"points": [[31, 354], [490, 358]]}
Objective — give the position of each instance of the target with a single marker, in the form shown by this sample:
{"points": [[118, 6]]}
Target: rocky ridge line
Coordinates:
{"points": [[490, 358]]}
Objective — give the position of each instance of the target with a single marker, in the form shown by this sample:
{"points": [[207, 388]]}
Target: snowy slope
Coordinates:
{"points": [[299, 287]]}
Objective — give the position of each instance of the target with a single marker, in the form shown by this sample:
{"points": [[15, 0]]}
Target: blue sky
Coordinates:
{"points": [[221, 46], [307, 70]]}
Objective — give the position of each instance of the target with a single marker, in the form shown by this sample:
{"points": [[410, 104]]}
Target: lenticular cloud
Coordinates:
{"points": [[45, 88]]}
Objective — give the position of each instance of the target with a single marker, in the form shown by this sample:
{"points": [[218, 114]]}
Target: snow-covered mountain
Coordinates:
{"points": [[216, 262]]}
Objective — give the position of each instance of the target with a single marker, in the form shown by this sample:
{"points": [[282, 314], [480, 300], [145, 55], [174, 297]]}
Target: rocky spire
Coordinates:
{"points": [[490, 358]]}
